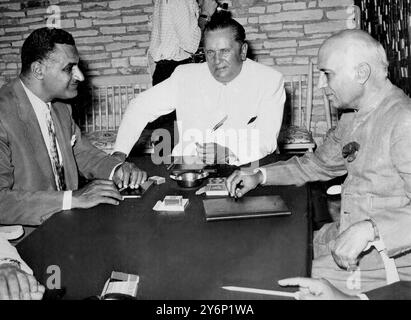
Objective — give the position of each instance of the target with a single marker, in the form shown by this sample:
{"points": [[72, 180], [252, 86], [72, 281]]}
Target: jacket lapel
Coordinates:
{"points": [[33, 131]]}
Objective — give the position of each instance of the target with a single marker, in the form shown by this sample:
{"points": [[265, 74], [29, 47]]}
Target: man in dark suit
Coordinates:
{"points": [[41, 148]]}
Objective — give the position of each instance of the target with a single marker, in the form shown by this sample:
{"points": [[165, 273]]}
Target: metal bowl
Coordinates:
{"points": [[189, 179]]}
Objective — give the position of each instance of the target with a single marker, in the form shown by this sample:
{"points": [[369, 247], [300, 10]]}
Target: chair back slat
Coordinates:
{"points": [[109, 96], [298, 84]]}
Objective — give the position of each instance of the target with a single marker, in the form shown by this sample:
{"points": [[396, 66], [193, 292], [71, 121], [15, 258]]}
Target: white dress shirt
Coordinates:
{"points": [[176, 34], [40, 108], [201, 102]]}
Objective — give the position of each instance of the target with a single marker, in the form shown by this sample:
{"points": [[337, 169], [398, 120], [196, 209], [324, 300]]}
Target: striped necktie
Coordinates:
{"points": [[58, 169]]}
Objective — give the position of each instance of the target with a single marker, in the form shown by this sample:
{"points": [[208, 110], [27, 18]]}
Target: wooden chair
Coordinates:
{"points": [[109, 97], [295, 135]]}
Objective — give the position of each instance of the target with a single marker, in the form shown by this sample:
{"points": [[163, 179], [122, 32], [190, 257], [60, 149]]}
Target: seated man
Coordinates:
{"points": [[16, 278], [228, 110], [41, 148], [373, 146]]}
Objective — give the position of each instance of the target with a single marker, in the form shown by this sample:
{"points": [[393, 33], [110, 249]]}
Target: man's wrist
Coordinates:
{"points": [[205, 16], [261, 175], [120, 155]]}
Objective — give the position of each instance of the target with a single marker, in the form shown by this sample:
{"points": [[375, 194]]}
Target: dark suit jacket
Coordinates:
{"points": [[28, 193]]}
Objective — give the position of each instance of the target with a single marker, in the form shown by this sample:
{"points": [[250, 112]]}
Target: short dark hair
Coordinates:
{"points": [[223, 21], [40, 43]]}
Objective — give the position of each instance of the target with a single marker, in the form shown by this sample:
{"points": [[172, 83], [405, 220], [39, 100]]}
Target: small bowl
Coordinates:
{"points": [[190, 179]]}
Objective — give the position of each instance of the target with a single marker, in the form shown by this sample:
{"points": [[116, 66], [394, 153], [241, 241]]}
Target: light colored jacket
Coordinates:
{"points": [[28, 193], [378, 184]]}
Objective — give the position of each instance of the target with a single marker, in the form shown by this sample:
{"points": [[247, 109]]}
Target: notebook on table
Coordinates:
{"points": [[247, 207]]}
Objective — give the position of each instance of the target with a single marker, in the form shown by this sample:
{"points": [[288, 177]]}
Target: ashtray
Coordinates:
{"points": [[190, 179]]}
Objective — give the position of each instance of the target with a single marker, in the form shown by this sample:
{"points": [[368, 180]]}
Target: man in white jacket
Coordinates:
{"points": [[229, 110]]}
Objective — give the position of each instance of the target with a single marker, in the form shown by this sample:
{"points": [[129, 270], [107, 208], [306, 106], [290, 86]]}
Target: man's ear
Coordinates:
{"points": [[244, 49], [37, 70], [363, 72]]}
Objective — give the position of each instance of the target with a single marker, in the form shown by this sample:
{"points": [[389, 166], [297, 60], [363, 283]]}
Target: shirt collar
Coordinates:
{"points": [[377, 99], [35, 101], [236, 82]]}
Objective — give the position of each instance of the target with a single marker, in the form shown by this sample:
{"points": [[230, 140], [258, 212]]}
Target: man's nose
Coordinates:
{"points": [[218, 57], [322, 81], [77, 74]]}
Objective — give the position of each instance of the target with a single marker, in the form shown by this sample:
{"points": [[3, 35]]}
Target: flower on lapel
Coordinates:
{"points": [[350, 151], [73, 140]]}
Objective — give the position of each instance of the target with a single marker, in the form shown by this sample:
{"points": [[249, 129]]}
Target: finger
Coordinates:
{"points": [[297, 281], [113, 194], [337, 259], [243, 190], [144, 177], [40, 288], [36, 295], [237, 179], [14, 288], [33, 283], [107, 200], [134, 178], [229, 180], [4, 292], [352, 265], [24, 285], [210, 158], [101, 182], [311, 285], [126, 175], [200, 148]]}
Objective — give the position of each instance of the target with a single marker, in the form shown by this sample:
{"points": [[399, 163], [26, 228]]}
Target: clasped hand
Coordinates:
{"points": [[213, 153], [350, 243], [248, 181], [106, 191], [15, 284]]}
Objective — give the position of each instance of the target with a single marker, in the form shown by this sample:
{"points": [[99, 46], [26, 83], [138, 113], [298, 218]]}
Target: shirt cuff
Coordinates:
{"points": [[67, 197], [263, 172], [114, 170]]}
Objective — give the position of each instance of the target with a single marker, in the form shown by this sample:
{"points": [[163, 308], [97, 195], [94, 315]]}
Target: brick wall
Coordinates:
{"points": [[113, 36]]}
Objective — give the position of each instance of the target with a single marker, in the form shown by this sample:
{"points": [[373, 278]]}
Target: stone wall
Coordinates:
{"points": [[113, 36]]}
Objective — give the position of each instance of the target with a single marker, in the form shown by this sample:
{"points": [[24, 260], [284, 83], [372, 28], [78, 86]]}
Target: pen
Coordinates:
{"points": [[220, 123], [252, 120]]}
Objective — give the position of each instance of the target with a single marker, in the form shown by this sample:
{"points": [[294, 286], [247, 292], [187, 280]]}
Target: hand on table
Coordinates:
{"points": [[213, 153], [248, 180], [94, 193], [15, 284], [315, 289], [129, 175], [350, 243]]}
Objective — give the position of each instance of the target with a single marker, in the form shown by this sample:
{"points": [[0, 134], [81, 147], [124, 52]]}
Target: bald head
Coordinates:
{"points": [[353, 47], [353, 68]]}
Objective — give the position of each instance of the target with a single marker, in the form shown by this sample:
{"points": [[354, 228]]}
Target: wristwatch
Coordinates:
{"points": [[10, 261], [206, 17]]}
